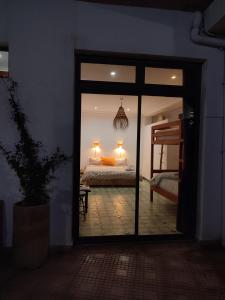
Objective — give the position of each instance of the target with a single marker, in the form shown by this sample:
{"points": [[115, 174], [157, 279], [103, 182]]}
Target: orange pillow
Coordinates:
{"points": [[108, 161]]}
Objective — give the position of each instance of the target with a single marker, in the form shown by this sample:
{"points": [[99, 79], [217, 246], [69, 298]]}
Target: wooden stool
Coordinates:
{"points": [[86, 189]]}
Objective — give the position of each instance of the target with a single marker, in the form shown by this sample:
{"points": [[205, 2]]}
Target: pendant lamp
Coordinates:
{"points": [[121, 121]]}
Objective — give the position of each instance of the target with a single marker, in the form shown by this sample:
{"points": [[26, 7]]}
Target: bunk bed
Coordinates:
{"points": [[166, 181]]}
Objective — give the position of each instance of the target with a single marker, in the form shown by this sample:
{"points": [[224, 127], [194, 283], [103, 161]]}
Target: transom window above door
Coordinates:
{"points": [[163, 76], [110, 73]]}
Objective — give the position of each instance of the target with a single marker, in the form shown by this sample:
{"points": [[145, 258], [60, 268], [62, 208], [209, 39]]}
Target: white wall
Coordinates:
{"points": [[145, 159], [173, 150], [98, 126], [42, 36]]}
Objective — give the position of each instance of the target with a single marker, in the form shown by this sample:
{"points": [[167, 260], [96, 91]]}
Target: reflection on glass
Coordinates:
{"points": [[161, 146], [108, 166], [3, 64], [103, 72], [163, 76]]}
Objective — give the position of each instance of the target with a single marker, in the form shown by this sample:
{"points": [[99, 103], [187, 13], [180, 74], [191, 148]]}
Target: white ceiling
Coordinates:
{"points": [[3, 61], [109, 104]]}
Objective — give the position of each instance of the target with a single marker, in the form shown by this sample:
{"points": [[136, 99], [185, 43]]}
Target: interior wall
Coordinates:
{"points": [[95, 126], [42, 36], [145, 157], [173, 150], [170, 153]]}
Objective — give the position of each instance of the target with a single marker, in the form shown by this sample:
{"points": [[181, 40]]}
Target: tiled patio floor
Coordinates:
{"points": [[129, 271]]}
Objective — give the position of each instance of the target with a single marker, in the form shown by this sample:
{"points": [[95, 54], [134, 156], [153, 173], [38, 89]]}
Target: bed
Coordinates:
{"points": [[166, 182], [101, 175]]}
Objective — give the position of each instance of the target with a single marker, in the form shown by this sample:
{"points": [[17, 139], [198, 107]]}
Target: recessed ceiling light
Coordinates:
{"points": [[173, 77], [96, 108], [113, 73]]}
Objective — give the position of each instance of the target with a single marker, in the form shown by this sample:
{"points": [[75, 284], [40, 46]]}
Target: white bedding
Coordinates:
{"points": [[108, 175], [167, 181]]}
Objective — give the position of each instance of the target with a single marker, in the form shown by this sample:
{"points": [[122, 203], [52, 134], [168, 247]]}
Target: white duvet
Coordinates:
{"points": [[167, 181]]}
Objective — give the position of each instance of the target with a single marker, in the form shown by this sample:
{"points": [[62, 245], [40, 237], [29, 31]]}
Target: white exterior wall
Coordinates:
{"points": [[42, 36]]}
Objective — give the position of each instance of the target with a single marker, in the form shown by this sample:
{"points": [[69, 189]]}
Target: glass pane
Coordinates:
{"points": [[158, 210], [3, 63], [163, 76], [102, 72], [108, 166]]}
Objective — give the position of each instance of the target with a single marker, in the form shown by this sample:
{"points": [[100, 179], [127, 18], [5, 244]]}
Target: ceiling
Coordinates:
{"points": [[187, 5], [109, 104]]}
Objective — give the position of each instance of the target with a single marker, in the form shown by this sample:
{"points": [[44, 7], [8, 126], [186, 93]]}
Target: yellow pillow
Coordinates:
{"points": [[108, 161]]}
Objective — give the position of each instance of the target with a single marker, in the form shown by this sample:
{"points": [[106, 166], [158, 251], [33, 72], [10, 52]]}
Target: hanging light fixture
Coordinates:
{"points": [[121, 121]]}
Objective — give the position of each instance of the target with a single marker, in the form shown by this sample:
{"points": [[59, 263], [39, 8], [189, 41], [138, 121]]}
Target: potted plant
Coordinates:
{"points": [[34, 171]]}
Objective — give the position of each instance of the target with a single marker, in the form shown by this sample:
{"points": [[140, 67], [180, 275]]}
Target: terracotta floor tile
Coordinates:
{"points": [[126, 271]]}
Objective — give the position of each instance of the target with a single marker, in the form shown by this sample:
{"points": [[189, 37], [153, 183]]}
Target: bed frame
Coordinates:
{"points": [[166, 134]]}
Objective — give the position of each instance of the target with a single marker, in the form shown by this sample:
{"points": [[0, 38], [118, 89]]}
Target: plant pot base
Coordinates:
{"points": [[30, 235]]}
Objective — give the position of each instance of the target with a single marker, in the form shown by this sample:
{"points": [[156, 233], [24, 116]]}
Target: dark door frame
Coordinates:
{"points": [[190, 92]]}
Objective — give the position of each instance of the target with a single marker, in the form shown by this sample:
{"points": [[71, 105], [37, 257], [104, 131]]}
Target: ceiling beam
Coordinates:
{"points": [[186, 5]]}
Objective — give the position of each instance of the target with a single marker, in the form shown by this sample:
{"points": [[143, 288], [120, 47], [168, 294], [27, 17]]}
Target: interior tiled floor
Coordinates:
{"points": [[123, 271], [111, 212]]}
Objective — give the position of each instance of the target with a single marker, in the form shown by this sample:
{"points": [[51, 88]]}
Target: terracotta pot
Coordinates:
{"points": [[30, 235]]}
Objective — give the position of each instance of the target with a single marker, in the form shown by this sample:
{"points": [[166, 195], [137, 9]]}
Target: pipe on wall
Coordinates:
{"points": [[201, 39]]}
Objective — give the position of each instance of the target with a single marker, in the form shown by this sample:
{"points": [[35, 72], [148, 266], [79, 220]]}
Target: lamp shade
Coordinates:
{"points": [[119, 150], [121, 121], [96, 148], [96, 144]]}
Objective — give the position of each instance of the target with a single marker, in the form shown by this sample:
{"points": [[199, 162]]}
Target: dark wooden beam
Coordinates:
{"points": [[186, 5]]}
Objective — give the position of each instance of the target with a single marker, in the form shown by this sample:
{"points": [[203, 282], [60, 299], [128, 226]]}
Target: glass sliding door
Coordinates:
{"points": [[161, 153], [107, 165], [160, 164], [131, 173]]}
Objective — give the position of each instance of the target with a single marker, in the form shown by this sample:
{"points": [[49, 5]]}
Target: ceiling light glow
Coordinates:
{"points": [[113, 73], [173, 77], [96, 108], [128, 109]]}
